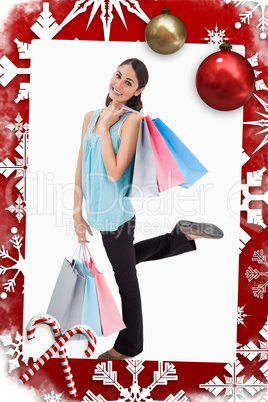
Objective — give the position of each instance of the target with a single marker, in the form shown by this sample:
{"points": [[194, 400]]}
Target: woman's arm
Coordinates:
{"points": [[116, 165], [80, 225]]}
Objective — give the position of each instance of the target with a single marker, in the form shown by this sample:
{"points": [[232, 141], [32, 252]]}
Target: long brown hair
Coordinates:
{"points": [[142, 77]]}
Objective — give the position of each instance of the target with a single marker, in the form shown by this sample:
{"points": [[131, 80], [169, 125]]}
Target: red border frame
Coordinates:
{"points": [[197, 15]]}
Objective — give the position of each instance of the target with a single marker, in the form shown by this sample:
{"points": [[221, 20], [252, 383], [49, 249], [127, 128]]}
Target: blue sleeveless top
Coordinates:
{"points": [[107, 207]]}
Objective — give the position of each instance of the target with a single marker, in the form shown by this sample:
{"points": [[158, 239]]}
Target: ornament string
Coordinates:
{"points": [[225, 15]]}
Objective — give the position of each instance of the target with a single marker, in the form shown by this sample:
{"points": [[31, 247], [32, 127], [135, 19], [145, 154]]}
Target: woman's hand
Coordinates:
{"points": [[81, 227], [111, 118]]}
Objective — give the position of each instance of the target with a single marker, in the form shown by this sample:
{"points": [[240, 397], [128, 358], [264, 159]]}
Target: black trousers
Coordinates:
{"points": [[123, 255]]}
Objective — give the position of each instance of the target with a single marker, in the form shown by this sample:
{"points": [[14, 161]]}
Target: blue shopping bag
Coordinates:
{"points": [[189, 166], [90, 310]]}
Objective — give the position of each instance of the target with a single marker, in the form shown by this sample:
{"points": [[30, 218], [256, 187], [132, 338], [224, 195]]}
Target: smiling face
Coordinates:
{"points": [[123, 85]]}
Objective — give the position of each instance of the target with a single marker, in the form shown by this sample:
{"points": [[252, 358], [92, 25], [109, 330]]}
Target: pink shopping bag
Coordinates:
{"points": [[167, 171], [111, 320]]}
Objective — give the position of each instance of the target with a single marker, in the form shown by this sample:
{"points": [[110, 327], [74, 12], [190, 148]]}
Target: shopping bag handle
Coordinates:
{"points": [[131, 110], [86, 253], [75, 251], [72, 261]]}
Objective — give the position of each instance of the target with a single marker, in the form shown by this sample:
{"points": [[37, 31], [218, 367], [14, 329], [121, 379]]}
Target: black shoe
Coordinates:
{"points": [[207, 230], [107, 356]]}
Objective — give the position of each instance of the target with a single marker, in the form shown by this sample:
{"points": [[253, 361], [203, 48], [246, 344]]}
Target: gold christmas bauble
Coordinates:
{"points": [[165, 34]]}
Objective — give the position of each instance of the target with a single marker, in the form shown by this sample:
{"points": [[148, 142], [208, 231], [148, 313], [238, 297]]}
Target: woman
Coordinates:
{"points": [[103, 175]]}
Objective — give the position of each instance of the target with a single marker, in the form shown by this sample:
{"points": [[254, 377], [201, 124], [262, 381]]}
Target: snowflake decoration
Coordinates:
{"points": [[216, 37], [21, 130], [254, 179], [43, 28], [256, 274], [245, 157], [241, 315], [261, 123], [247, 15], [104, 372], [24, 92], [251, 351], [234, 386], [18, 265], [16, 347], [244, 238], [52, 397], [18, 127], [107, 7], [18, 208], [259, 84]]}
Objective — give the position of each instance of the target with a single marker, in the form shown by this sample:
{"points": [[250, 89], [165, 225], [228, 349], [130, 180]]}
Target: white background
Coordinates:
{"points": [[189, 301]]}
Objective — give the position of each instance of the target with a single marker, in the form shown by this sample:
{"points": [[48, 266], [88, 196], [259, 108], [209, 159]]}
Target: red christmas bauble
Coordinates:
{"points": [[225, 80]]}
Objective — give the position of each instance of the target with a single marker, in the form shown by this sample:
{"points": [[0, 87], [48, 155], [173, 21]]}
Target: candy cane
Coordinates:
{"points": [[55, 326], [42, 319], [77, 329]]}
